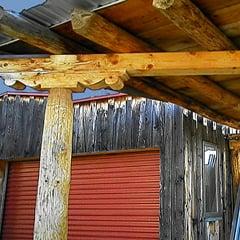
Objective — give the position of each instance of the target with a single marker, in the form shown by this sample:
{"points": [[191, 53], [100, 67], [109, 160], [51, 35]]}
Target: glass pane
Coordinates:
{"points": [[210, 177]]}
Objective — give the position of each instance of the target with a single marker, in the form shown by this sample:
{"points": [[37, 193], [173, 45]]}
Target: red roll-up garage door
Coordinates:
{"points": [[112, 196]]}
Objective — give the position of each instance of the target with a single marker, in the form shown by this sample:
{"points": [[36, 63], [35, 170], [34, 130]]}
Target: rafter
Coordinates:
{"points": [[36, 35], [97, 29], [186, 16], [163, 93]]}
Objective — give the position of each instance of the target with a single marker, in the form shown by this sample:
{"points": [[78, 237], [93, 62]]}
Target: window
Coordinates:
{"points": [[210, 174], [211, 189]]}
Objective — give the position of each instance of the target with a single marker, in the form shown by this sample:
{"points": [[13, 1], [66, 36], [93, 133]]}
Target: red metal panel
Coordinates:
{"points": [[113, 196]]}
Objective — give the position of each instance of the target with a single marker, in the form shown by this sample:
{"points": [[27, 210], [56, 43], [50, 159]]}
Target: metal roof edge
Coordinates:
{"points": [[76, 101]]}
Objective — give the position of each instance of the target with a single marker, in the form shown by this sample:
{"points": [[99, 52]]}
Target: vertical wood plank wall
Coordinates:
{"points": [[195, 133], [132, 123]]}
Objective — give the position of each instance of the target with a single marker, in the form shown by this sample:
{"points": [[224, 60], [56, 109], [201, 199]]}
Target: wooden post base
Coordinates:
{"points": [[51, 212]]}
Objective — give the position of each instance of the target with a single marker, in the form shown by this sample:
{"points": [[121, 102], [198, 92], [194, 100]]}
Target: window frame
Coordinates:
{"points": [[212, 216]]}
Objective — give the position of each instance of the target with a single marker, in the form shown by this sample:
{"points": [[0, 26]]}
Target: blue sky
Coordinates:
{"points": [[18, 6]]}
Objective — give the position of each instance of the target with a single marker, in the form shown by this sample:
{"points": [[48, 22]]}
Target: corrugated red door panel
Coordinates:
{"points": [[113, 196]]}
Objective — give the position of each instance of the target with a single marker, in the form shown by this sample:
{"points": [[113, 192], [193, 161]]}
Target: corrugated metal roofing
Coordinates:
{"points": [[54, 12]]}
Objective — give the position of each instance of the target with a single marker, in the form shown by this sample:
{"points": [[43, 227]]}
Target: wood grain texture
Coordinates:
{"points": [[51, 212], [162, 93], [76, 82], [91, 25], [136, 64], [235, 164], [185, 15], [35, 34], [97, 29], [195, 132]]}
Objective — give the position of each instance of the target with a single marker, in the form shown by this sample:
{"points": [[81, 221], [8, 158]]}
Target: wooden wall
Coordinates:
{"points": [[132, 123], [21, 126], [195, 133], [109, 124]]}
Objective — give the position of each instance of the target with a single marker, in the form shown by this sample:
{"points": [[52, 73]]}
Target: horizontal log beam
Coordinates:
{"points": [[136, 64], [186, 16], [36, 35]]}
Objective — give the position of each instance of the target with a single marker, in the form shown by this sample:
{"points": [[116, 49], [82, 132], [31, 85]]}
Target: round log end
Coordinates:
{"points": [[163, 4]]}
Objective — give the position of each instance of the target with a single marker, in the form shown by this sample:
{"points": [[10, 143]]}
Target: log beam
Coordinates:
{"points": [[235, 164], [51, 214], [136, 64], [97, 29], [36, 35], [186, 16]]}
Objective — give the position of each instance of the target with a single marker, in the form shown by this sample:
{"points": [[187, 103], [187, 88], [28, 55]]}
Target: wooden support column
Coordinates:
{"points": [[51, 214], [235, 164]]}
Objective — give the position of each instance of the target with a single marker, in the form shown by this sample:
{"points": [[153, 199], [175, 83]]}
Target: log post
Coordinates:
{"points": [[51, 222], [235, 165]]}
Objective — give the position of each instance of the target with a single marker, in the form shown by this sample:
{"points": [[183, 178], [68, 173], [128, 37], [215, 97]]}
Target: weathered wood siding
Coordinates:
{"points": [[101, 125], [195, 133], [21, 126], [133, 123]]}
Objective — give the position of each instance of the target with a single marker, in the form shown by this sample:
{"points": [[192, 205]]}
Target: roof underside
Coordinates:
{"points": [[142, 20], [55, 12]]}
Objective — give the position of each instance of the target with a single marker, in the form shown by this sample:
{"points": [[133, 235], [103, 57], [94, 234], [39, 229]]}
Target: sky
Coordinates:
{"points": [[18, 6]]}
